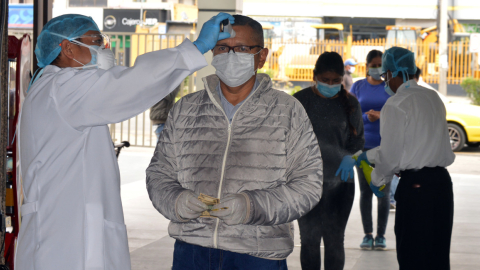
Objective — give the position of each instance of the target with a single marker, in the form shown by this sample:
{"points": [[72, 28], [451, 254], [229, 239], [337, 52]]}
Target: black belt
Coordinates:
{"points": [[418, 170]]}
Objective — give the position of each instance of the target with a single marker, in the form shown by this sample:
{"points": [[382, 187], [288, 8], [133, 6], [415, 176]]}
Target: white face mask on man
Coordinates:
{"points": [[101, 57], [234, 69]]}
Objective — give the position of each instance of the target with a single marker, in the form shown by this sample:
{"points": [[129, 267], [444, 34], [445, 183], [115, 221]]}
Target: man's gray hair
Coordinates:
{"points": [[256, 26]]}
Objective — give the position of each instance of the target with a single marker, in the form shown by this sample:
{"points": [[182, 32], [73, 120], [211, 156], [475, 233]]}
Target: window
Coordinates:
{"points": [[87, 3]]}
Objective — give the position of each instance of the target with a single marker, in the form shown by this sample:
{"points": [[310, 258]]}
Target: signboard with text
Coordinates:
{"points": [[126, 20]]}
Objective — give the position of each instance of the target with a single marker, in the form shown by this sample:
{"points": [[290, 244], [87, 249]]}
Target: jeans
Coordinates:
{"points": [[383, 210], [424, 219], [191, 257], [327, 220], [158, 130], [393, 188]]}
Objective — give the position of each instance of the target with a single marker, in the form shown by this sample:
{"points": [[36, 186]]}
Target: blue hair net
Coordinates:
{"points": [[397, 60], [69, 26]]}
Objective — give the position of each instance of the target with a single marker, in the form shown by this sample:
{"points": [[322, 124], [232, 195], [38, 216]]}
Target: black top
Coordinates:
{"points": [[329, 121], [159, 112]]}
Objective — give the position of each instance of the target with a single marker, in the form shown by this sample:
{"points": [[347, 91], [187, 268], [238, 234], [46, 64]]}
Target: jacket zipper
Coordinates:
{"points": [[215, 233], [221, 179]]}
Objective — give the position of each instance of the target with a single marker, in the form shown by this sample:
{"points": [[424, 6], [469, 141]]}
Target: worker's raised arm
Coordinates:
{"points": [[99, 97], [96, 97]]}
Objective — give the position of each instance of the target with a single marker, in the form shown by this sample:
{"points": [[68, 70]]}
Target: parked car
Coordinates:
{"points": [[463, 122]]}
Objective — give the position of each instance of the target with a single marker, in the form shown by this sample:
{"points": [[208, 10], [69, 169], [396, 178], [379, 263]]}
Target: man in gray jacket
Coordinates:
{"points": [[245, 143]]}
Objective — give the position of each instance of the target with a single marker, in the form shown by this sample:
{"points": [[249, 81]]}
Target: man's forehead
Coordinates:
{"points": [[243, 36], [91, 32]]}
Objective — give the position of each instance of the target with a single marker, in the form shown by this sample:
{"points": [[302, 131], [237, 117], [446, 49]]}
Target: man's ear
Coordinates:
{"points": [[263, 57], [67, 49]]}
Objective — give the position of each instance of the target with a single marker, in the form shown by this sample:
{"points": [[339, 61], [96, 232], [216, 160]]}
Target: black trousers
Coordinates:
{"points": [[424, 219], [327, 220]]}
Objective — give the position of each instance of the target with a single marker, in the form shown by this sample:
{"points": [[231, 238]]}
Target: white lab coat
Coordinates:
{"points": [[72, 215]]}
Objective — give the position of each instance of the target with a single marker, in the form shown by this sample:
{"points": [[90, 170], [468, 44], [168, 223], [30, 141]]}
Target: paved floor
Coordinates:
{"points": [[152, 248]]}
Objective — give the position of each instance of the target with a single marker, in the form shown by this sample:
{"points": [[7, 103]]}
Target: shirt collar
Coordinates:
{"points": [[403, 87], [222, 97], [51, 69]]}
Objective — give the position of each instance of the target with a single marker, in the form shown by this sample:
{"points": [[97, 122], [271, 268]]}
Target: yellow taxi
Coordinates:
{"points": [[463, 123]]}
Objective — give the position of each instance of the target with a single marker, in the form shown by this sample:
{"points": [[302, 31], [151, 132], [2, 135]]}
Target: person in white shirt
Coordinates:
{"points": [[415, 144]]}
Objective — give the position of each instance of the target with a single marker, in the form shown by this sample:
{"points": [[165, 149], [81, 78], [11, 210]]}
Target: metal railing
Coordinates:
{"points": [[138, 130], [287, 61], [295, 61]]}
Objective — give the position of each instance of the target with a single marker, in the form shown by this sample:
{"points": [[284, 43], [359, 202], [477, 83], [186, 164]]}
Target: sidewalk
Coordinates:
{"points": [[152, 248]]}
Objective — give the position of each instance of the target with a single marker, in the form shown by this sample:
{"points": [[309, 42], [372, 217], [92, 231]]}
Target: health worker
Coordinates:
{"points": [[415, 144], [72, 214], [371, 94]]}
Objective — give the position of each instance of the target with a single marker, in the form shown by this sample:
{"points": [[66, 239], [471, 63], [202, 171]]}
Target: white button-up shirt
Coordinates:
{"points": [[414, 133]]}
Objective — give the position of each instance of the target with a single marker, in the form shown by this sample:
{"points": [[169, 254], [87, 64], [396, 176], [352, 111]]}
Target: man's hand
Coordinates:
{"points": [[346, 168], [232, 209], [189, 206], [373, 115], [376, 190], [363, 156], [210, 33]]}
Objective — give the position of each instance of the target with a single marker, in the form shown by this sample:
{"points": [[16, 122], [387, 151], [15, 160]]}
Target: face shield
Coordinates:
{"points": [[99, 46], [100, 40]]}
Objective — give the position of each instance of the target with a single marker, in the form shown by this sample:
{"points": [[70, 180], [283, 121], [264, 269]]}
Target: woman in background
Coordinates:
{"points": [[371, 94], [336, 118]]}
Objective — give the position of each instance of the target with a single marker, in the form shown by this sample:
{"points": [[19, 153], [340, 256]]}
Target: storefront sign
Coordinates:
{"points": [[126, 20], [20, 16]]}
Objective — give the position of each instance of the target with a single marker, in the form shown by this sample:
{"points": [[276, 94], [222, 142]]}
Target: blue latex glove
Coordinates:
{"points": [[376, 191], [346, 168], [210, 33], [363, 156]]}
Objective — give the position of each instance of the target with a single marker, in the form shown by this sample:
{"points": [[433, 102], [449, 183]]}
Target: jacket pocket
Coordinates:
{"points": [[117, 256]]}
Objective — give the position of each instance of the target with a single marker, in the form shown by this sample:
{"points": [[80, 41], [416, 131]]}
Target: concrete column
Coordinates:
{"points": [[206, 10], [42, 13], [443, 46]]}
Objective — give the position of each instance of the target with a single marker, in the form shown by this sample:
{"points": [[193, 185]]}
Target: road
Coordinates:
{"points": [[467, 161], [151, 247]]}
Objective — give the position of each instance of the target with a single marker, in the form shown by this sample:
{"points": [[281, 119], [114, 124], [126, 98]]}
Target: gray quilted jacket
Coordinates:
{"points": [[269, 153]]}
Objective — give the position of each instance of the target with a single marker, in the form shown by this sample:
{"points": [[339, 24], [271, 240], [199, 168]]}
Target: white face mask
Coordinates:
{"points": [[352, 69], [101, 57], [234, 69]]}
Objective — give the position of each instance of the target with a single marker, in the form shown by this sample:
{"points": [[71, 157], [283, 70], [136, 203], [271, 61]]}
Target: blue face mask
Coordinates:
{"points": [[327, 90], [388, 89], [375, 73], [93, 52], [93, 61]]}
